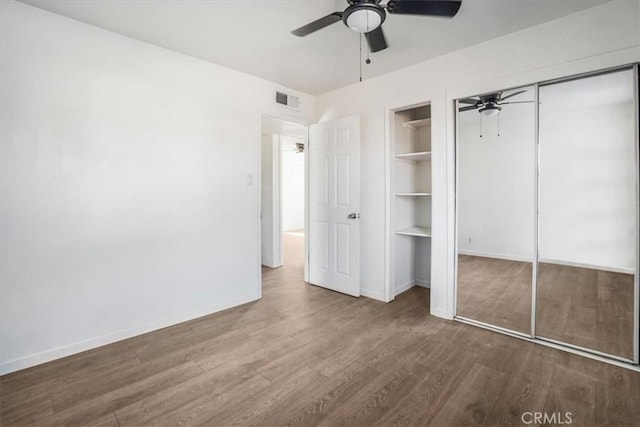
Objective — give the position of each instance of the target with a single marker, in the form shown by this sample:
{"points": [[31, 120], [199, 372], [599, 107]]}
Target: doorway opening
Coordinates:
{"points": [[283, 200]]}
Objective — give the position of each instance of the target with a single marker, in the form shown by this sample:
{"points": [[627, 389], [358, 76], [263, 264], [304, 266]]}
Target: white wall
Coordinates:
{"points": [[596, 38], [129, 196], [292, 186], [588, 151], [271, 201]]}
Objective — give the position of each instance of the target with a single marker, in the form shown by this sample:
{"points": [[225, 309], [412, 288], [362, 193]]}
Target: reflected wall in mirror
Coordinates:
{"points": [[588, 213], [496, 165]]}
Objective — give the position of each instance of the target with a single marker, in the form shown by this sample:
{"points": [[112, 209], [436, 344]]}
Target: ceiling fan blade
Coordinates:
{"points": [[471, 107], [513, 94], [515, 102], [317, 24], [446, 8], [468, 101], [376, 40], [490, 97]]}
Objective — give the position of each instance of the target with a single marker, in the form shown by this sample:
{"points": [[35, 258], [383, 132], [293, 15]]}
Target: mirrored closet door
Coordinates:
{"points": [[496, 208], [588, 213], [548, 212]]}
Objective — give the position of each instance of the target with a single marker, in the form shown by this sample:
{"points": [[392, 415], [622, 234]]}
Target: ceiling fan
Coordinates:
{"points": [[489, 104], [367, 16]]}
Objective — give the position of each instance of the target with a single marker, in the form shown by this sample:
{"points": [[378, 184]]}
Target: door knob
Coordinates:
{"points": [[353, 215]]}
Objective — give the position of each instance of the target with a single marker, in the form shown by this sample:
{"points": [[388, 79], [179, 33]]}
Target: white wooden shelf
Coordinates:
{"points": [[415, 124], [413, 194], [415, 231], [416, 157]]}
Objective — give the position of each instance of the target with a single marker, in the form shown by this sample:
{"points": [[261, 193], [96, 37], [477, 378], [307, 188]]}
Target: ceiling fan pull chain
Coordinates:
{"points": [[368, 61], [368, 44], [360, 57], [480, 125], [498, 123]]}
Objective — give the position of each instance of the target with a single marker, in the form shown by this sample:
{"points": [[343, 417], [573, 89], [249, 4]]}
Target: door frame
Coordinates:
{"points": [[261, 117], [276, 201]]}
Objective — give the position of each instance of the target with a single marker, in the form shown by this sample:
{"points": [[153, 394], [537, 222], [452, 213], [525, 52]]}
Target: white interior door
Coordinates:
{"points": [[334, 205]]}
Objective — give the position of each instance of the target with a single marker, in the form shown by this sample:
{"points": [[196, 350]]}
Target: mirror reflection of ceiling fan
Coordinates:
{"points": [[367, 16], [490, 104]]}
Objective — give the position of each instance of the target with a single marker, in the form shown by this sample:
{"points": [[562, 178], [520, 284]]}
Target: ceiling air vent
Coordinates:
{"points": [[287, 100]]}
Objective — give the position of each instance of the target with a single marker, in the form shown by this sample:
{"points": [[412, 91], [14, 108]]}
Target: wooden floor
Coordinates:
{"points": [[307, 356]]}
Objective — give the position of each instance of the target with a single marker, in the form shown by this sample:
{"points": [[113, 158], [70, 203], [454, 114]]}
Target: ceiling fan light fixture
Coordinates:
{"points": [[364, 17], [489, 111]]}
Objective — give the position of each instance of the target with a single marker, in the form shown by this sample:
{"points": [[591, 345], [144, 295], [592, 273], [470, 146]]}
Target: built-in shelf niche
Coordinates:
{"points": [[410, 203]]}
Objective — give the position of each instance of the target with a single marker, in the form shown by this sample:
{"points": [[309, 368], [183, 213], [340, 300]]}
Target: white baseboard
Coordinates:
{"points": [[271, 266], [373, 294], [443, 314], [405, 287], [508, 257], [418, 282], [622, 270], [423, 283], [271, 263], [78, 347]]}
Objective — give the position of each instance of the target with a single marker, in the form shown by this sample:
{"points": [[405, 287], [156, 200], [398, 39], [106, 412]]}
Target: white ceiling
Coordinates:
{"points": [[254, 36]]}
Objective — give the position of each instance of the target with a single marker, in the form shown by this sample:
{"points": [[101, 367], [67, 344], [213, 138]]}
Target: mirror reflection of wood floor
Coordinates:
{"points": [[306, 356], [495, 291], [581, 306], [586, 307]]}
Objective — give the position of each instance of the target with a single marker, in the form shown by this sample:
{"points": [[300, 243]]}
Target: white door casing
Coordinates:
{"points": [[334, 205], [271, 202]]}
